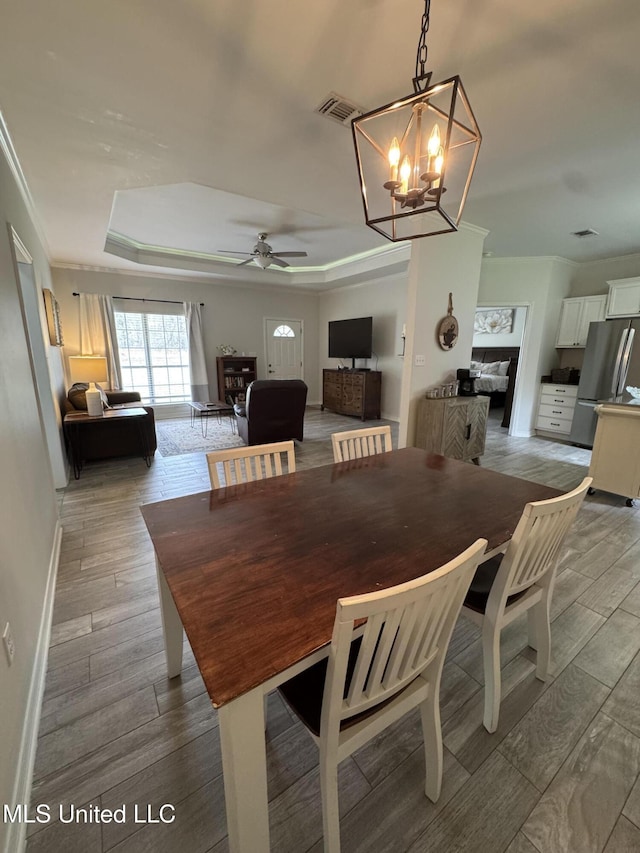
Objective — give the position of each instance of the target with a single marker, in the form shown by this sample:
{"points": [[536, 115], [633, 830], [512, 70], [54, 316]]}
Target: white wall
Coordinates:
{"points": [[540, 284], [233, 312], [385, 300], [449, 263], [29, 529], [590, 279]]}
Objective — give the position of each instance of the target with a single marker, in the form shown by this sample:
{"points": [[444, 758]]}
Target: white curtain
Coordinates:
{"points": [[197, 364], [98, 333]]}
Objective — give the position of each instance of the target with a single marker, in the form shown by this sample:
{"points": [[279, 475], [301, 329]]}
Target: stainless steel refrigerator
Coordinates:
{"points": [[611, 362]]}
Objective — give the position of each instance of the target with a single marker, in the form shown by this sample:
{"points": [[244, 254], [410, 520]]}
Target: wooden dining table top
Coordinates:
{"points": [[255, 569]]}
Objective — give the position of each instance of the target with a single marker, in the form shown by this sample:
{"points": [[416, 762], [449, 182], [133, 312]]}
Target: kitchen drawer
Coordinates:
{"points": [[557, 400], [560, 425], [567, 392], [555, 412]]}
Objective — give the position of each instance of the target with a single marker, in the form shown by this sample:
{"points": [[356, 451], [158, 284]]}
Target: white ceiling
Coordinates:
{"points": [[190, 125]]}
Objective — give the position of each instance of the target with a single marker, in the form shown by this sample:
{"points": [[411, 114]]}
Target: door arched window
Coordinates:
{"points": [[284, 331]]}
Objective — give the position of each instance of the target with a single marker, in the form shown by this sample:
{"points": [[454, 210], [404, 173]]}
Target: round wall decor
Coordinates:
{"points": [[448, 328]]}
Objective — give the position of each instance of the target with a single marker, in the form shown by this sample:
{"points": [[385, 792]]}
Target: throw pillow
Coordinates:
{"points": [[491, 369], [504, 368]]}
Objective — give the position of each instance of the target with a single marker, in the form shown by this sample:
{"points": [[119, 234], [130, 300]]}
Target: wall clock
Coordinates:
{"points": [[448, 328]]}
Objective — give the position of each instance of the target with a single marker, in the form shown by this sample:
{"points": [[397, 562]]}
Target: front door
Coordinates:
{"points": [[283, 345]]}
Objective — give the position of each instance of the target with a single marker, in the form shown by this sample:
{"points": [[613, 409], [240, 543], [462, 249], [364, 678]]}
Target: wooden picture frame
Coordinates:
{"points": [[53, 318]]}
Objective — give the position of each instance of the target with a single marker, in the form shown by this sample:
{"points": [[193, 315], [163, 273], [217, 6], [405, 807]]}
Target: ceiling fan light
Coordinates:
{"points": [[263, 261]]}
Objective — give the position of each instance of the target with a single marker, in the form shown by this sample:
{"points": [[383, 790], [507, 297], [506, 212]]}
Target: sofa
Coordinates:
{"points": [[111, 438], [273, 411]]}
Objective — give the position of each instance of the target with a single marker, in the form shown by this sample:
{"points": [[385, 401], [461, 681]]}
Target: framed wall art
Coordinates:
{"points": [[53, 318]]}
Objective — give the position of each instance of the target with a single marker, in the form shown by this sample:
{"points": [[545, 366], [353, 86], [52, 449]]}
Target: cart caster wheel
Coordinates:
{"points": [[629, 502], [591, 491]]}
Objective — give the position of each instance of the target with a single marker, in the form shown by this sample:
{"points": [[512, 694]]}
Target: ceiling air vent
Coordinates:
{"points": [[587, 232], [339, 109]]}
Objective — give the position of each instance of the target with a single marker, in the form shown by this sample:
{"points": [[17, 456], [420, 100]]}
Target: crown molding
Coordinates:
{"points": [[7, 148], [382, 261]]}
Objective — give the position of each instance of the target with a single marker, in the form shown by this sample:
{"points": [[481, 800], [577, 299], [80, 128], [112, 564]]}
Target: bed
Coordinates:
{"points": [[498, 367]]}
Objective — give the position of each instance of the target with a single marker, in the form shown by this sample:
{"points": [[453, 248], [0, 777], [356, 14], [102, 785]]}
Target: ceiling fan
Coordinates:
{"points": [[264, 255]]}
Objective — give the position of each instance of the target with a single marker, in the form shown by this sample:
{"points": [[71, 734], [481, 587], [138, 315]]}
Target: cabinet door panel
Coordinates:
{"points": [[569, 319], [455, 432], [477, 420]]}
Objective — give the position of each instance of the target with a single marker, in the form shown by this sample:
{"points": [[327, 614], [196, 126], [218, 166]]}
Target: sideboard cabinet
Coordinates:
{"points": [[352, 392], [453, 426]]}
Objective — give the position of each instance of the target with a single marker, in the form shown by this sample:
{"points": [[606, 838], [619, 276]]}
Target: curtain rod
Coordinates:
{"points": [[142, 299]]}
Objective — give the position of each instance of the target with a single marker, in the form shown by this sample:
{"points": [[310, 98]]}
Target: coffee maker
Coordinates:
{"points": [[466, 383]]}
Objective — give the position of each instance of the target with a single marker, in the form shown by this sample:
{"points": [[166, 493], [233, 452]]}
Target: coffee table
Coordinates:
{"points": [[205, 410]]}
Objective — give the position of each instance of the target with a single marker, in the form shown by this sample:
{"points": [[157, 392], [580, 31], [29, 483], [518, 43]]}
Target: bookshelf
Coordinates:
{"points": [[235, 374]]}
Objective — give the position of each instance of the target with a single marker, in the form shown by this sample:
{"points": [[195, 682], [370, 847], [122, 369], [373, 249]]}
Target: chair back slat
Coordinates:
{"points": [[246, 464], [534, 549], [407, 631], [357, 443]]}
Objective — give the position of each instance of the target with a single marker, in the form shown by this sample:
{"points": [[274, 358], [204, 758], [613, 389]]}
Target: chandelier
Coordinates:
{"points": [[416, 156]]}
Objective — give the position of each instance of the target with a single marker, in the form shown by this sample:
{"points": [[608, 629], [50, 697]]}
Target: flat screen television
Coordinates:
{"points": [[351, 338]]}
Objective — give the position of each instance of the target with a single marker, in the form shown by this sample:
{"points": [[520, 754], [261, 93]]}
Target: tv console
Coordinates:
{"points": [[352, 392]]}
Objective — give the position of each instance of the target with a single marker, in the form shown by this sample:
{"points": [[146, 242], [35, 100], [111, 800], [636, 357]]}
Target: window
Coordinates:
{"points": [[154, 356], [284, 332]]}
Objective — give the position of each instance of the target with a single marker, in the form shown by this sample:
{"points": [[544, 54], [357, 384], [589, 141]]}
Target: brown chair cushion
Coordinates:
{"points": [[478, 594]]}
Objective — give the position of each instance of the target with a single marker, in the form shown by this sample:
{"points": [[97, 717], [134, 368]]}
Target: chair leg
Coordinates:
{"points": [[492, 675], [531, 629], [330, 810], [432, 735], [540, 615]]}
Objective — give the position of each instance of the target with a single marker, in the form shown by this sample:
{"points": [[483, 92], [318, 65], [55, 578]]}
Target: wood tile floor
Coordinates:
{"points": [[560, 774]]}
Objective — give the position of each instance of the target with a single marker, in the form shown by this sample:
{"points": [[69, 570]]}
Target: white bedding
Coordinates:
{"points": [[488, 382]]}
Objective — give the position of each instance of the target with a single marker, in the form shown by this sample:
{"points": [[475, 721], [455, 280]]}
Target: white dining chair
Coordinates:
{"points": [[521, 580], [356, 443], [377, 672], [244, 464]]}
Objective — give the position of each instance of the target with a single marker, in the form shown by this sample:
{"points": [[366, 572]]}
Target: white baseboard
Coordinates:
{"points": [[16, 840]]}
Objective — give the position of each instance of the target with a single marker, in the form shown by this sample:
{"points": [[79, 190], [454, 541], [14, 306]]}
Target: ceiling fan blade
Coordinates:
{"points": [[278, 262], [244, 263], [289, 254], [232, 252]]}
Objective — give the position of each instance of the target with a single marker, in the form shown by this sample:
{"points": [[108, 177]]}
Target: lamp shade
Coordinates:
{"points": [[88, 368]]}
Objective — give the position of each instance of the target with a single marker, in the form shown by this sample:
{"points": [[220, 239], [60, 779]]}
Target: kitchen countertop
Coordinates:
{"points": [[623, 400]]}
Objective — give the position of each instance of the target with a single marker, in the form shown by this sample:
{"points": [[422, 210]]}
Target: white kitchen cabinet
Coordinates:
{"points": [[556, 407], [624, 298], [615, 461], [575, 316]]}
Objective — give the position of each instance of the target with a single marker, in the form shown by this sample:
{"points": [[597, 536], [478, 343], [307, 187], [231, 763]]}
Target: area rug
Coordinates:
{"points": [[177, 435]]}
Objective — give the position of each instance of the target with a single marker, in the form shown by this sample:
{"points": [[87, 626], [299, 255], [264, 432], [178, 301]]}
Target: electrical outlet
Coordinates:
{"points": [[9, 646], [420, 361]]}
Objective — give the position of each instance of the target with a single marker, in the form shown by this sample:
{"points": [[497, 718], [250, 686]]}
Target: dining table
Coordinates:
{"points": [[252, 573]]}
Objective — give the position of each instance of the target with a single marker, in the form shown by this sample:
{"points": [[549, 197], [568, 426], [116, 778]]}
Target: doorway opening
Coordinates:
{"points": [[497, 357]]}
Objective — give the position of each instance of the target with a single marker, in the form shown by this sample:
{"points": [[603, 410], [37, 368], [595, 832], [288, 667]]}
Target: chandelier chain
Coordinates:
{"points": [[421, 55]]}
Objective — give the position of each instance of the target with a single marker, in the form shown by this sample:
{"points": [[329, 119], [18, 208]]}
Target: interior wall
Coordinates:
{"points": [[449, 263], [540, 284], [233, 313], [590, 279], [385, 300], [28, 509]]}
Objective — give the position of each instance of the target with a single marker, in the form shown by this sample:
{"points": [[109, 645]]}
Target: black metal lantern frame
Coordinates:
{"points": [[416, 156]]}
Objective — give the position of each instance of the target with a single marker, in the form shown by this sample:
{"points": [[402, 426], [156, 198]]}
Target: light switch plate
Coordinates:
{"points": [[420, 361]]}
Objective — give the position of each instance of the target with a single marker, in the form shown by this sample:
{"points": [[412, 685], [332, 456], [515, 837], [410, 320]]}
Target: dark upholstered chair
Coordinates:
{"points": [[112, 438], [273, 411]]}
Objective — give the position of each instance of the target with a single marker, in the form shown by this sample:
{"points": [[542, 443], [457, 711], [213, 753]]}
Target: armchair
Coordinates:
{"points": [[273, 411]]}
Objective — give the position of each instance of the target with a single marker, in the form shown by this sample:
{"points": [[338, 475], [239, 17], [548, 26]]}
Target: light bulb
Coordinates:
{"points": [[433, 146], [439, 161], [405, 172], [394, 158]]}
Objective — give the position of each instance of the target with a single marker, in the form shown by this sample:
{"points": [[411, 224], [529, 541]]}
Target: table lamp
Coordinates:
{"points": [[91, 369]]}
